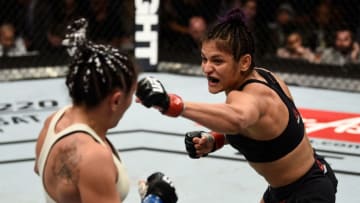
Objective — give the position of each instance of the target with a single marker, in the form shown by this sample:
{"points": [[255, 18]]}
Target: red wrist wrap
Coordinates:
{"points": [[219, 140], [176, 106]]}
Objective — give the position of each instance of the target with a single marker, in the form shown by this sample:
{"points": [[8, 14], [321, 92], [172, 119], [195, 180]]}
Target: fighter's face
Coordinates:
{"points": [[219, 67]]}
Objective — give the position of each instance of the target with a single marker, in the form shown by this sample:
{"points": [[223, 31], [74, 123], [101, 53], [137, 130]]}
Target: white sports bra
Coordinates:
{"points": [[51, 138]]}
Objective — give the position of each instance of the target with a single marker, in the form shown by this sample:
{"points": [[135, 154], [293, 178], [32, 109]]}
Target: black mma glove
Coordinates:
{"points": [[189, 145], [217, 139], [151, 92], [159, 185]]}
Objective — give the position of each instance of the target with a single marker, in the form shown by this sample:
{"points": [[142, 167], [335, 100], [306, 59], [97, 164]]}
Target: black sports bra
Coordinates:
{"points": [[271, 150]]}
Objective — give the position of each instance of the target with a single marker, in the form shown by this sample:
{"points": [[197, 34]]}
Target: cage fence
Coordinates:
{"points": [[313, 43]]}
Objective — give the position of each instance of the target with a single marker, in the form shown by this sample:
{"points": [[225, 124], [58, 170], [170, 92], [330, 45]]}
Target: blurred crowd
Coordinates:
{"points": [[38, 26], [325, 33], [316, 31]]}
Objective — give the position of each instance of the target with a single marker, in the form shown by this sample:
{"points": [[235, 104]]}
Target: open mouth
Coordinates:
{"points": [[212, 79]]}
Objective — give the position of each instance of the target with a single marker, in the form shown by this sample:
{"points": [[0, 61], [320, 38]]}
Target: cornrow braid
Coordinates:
{"points": [[232, 35], [95, 70]]}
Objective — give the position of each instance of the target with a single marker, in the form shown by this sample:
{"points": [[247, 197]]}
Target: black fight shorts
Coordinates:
{"points": [[318, 185]]}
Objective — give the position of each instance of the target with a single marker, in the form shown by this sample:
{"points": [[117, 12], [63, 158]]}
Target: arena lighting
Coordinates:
{"points": [[146, 33]]}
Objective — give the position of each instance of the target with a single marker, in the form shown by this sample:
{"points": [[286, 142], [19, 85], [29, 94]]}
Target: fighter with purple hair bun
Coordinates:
{"points": [[258, 118]]}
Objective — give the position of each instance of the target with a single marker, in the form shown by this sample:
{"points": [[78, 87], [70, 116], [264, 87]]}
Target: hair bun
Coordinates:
{"points": [[234, 16], [75, 36]]}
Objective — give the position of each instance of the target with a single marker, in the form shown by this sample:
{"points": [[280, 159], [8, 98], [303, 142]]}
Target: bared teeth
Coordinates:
{"points": [[212, 79]]}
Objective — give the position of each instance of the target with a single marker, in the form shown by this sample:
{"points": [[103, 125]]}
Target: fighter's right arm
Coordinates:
{"points": [[240, 111]]}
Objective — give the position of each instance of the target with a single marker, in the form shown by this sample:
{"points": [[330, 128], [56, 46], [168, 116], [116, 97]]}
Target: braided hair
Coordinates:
{"points": [[232, 35], [95, 70]]}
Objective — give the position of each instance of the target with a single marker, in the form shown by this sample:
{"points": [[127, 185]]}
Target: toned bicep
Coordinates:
{"points": [[97, 177], [239, 112], [246, 105]]}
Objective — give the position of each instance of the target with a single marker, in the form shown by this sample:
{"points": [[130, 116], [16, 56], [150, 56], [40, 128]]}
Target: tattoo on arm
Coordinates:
{"points": [[67, 164]]}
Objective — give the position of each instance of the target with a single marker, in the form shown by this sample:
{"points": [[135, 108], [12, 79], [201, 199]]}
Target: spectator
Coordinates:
{"points": [[183, 23], [65, 11], [283, 26], [10, 44], [294, 49], [105, 24], [16, 12], [320, 26], [345, 49], [38, 17], [197, 28], [249, 9]]}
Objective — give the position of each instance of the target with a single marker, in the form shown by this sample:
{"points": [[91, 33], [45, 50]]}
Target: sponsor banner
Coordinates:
{"points": [[146, 33], [23, 119], [336, 126], [335, 133]]}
